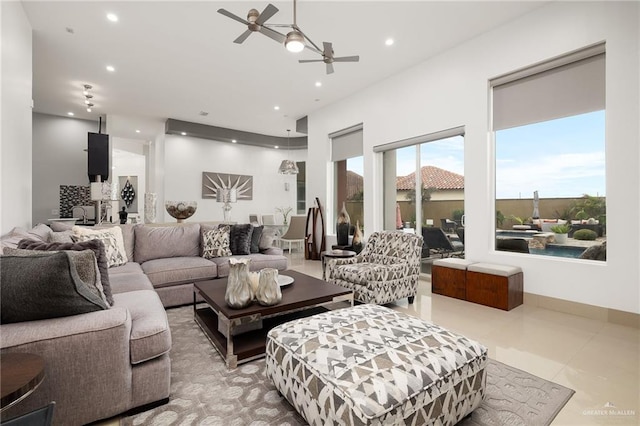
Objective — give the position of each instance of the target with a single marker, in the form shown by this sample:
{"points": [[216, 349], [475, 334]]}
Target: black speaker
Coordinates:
{"points": [[98, 156]]}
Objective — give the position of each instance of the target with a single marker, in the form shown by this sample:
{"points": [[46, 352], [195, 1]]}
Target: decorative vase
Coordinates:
{"points": [[356, 243], [342, 227], [150, 201], [181, 210], [238, 293], [269, 292]]}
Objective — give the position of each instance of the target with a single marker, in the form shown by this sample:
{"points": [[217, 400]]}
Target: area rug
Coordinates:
{"points": [[205, 392]]}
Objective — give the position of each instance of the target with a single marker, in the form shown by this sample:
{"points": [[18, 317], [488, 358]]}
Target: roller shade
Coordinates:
{"points": [[346, 145], [430, 137], [562, 91]]}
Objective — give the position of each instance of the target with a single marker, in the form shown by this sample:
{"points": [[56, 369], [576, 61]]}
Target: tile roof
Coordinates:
{"points": [[432, 177], [355, 184]]}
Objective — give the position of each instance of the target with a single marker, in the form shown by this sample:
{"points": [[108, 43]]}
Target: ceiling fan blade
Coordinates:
{"points": [[327, 49], [280, 38], [306, 61], [232, 16], [329, 68], [267, 13], [347, 59], [242, 37]]}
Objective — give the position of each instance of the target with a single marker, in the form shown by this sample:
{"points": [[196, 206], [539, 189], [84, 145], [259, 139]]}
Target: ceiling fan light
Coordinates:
{"points": [[294, 42]]}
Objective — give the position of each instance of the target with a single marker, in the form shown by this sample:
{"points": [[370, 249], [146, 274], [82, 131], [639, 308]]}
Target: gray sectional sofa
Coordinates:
{"points": [[104, 363]]}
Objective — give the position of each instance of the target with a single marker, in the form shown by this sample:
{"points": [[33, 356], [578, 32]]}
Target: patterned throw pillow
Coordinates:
{"points": [[112, 240], [216, 243]]}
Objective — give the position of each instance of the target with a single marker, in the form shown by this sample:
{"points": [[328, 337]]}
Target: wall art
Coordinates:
{"points": [[212, 182]]}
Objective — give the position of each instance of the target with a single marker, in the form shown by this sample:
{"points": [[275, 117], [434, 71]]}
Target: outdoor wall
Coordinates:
{"points": [[185, 158], [59, 158], [452, 89], [15, 121]]}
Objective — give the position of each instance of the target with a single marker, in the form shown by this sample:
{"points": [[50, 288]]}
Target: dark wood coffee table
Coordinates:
{"points": [[21, 374], [240, 335]]}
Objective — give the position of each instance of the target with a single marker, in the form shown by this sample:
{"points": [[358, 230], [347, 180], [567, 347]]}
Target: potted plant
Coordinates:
{"points": [[561, 232]]}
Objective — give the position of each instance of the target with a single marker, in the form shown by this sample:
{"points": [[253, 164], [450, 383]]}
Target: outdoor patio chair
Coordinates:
{"points": [[437, 242], [448, 225]]}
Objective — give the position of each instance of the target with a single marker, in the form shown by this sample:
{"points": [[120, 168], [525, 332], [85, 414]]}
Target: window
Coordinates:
{"points": [[346, 154], [549, 133], [301, 189]]}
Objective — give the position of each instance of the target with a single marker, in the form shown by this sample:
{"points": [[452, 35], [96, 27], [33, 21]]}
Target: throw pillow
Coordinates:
{"points": [[42, 287], [84, 261], [61, 237], [94, 245], [255, 238], [215, 243], [240, 238], [267, 238], [112, 240]]}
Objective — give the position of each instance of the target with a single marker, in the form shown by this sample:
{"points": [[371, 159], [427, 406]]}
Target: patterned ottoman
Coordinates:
{"points": [[372, 365]]}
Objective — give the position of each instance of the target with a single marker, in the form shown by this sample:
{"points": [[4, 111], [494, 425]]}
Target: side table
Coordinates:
{"points": [[334, 254], [20, 375]]}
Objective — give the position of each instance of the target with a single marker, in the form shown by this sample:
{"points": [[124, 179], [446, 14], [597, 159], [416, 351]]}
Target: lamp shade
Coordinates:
{"points": [[288, 167]]}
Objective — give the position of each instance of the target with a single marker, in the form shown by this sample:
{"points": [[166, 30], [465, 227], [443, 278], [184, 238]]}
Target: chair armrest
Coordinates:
{"points": [[332, 263]]}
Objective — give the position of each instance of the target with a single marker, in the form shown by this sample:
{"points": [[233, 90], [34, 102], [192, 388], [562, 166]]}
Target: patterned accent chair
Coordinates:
{"points": [[387, 269]]}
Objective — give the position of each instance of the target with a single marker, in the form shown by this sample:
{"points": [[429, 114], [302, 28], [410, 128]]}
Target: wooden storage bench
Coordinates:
{"points": [[498, 286], [449, 276]]}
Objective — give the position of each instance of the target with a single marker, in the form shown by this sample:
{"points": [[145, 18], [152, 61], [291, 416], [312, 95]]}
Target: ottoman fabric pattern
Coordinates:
{"points": [[372, 365]]}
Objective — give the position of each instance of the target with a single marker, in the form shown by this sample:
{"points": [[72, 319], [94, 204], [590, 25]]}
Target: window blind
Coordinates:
{"points": [[346, 145]]}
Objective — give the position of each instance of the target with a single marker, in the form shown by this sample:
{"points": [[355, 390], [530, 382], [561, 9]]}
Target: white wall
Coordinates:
{"points": [[452, 89], [59, 158], [15, 118], [185, 158]]}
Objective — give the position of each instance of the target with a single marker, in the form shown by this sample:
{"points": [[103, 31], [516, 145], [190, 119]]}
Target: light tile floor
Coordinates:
{"points": [[600, 361]]}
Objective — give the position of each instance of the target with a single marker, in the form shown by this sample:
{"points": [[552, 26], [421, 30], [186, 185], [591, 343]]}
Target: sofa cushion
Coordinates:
{"points": [[110, 237], [130, 281], [240, 238], [215, 243], [44, 286], [127, 268], [177, 270], [150, 334], [160, 242], [94, 245], [258, 262], [61, 237], [255, 238]]}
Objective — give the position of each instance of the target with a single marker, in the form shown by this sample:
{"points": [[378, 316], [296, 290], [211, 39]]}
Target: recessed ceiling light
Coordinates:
{"points": [[110, 68], [233, 141], [71, 114], [276, 147], [137, 131], [276, 107], [184, 133], [89, 109], [389, 42], [112, 17], [318, 83]]}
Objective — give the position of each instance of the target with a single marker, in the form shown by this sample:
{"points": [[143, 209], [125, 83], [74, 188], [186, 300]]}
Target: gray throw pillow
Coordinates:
{"points": [[240, 238], [255, 238], [41, 287], [94, 245]]}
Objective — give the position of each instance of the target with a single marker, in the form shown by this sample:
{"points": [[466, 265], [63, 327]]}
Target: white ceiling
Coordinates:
{"points": [[175, 59]]}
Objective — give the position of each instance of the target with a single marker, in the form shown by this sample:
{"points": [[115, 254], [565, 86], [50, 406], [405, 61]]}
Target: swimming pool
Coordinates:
{"points": [[559, 251]]}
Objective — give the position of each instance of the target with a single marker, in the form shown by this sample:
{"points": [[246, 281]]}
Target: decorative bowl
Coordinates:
{"points": [[181, 210]]}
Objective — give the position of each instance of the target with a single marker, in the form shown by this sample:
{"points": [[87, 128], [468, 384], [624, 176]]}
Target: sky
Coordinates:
{"points": [[558, 158]]}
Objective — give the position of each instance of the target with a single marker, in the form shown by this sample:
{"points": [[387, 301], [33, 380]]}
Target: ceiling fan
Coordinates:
{"points": [[329, 59], [295, 40], [255, 23]]}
